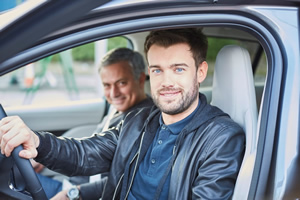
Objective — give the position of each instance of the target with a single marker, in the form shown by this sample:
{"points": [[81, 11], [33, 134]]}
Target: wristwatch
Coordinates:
{"points": [[73, 193]]}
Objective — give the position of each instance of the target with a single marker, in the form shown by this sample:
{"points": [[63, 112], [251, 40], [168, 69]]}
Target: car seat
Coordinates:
{"points": [[233, 91]]}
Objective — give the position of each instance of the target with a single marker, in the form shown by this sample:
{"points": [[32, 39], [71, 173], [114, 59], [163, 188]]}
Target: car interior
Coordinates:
{"points": [[235, 84]]}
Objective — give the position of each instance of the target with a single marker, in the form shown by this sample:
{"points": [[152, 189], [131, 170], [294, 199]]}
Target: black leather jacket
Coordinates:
{"points": [[208, 154]]}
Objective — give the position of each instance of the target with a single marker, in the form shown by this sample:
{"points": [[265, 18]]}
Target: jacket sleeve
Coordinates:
{"points": [[70, 156], [222, 160], [90, 191]]}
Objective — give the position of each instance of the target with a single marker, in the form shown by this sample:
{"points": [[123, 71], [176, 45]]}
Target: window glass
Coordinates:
{"points": [[258, 60], [261, 70], [67, 76], [215, 44]]}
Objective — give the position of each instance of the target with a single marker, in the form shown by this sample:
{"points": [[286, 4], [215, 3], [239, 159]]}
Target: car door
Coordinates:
{"points": [[270, 25], [21, 28]]}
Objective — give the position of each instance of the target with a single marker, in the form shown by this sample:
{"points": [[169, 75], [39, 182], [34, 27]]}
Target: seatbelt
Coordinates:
{"points": [[112, 111]]}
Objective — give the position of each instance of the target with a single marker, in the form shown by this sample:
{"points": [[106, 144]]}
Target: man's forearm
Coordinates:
{"points": [[92, 190], [72, 157]]}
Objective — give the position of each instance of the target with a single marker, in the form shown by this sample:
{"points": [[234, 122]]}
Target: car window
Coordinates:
{"points": [[67, 76], [261, 70], [216, 43]]}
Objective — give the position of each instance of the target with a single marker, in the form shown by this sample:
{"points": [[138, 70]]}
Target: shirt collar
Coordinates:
{"points": [[176, 127]]}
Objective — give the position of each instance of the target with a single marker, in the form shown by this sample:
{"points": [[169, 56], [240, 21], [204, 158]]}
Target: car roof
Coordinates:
{"points": [[259, 2]]}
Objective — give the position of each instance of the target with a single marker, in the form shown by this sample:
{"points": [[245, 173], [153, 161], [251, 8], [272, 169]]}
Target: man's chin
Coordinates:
{"points": [[166, 101], [169, 109], [173, 111]]}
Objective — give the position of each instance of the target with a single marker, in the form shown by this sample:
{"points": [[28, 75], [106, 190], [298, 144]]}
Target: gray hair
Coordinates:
{"points": [[135, 60]]}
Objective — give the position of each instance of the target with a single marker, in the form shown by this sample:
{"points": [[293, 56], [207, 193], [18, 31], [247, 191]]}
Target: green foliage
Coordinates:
{"points": [[215, 45], [87, 52], [84, 52], [117, 42]]}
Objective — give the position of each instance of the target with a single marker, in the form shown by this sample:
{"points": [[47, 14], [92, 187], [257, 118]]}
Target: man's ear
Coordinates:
{"points": [[202, 71]]}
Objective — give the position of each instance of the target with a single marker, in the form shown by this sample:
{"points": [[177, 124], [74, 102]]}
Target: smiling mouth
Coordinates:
{"points": [[118, 101], [169, 93]]}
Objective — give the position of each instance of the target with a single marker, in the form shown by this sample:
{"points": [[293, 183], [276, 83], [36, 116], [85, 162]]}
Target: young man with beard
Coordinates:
{"points": [[182, 148]]}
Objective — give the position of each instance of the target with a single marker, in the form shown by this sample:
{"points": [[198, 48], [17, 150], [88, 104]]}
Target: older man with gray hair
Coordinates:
{"points": [[122, 72]]}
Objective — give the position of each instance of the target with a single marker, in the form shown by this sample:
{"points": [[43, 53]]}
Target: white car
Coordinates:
{"points": [[253, 56]]}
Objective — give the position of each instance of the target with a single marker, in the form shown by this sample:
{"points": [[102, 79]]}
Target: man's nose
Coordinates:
{"points": [[167, 80], [114, 91]]}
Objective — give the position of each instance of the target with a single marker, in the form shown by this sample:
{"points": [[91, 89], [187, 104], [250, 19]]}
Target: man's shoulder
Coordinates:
{"points": [[215, 115], [138, 118], [226, 122], [144, 106], [212, 116], [147, 102], [141, 112]]}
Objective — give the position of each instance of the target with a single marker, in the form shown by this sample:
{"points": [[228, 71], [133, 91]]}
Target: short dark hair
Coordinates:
{"points": [[135, 60], [191, 36]]}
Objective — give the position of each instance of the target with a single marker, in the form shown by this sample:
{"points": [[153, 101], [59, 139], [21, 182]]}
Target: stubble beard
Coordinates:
{"points": [[172, 107]]}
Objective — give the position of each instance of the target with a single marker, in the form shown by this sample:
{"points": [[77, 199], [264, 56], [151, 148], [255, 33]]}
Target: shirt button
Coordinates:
{"points": [[153, 161], [159, 141], [163, 127]]}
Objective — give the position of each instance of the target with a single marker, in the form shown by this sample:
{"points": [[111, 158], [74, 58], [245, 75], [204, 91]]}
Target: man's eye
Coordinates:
{"points": [[106, 86], [156, 71], [122, 83], [179, 69]]}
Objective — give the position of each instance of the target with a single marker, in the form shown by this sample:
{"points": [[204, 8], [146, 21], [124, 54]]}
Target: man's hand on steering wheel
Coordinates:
{"points": [[14, 132]]}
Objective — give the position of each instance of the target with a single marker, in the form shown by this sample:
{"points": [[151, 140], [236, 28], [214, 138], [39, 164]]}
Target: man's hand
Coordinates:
{"points": [[62, 195], [38, 167], [14, 132]]}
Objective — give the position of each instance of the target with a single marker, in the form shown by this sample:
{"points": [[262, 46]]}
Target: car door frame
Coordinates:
{"points": [[251, 19]]}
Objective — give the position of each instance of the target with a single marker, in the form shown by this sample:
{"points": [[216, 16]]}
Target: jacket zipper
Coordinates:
{"points": [[119, 182], [135, 167], [174, 149]]}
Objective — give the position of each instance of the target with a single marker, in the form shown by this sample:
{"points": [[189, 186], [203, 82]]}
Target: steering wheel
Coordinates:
{"points": [[31, 187]]}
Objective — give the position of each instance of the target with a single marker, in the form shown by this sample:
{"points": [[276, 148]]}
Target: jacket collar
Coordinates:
{"points": [[204, 113]]}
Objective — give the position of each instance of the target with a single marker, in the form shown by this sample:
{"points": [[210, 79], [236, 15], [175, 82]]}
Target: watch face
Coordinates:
{"points": [[73, 193]]}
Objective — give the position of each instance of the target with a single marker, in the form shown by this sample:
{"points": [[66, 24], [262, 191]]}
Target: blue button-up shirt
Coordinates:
{"points": [[156, 160]]}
